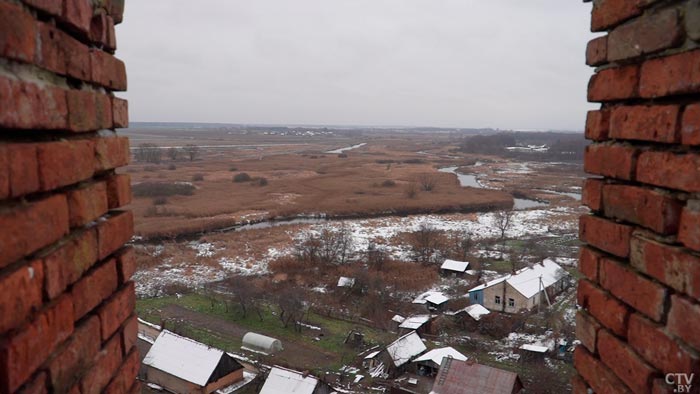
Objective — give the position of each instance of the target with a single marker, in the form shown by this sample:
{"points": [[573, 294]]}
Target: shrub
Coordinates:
{"points": [[233, 169], [162, 189], [343, 155], [197, 177], [160, 201], [388, 183], [414, 161], [411, 190], [242, 177], [172, 167], [262, 182]]}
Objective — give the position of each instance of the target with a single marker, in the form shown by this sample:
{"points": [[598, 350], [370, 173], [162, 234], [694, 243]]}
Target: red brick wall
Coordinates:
{"points": [[66, 302], [640, 286]]}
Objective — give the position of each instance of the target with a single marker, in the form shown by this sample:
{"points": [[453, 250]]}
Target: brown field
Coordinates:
{"points": [[301, 180]]}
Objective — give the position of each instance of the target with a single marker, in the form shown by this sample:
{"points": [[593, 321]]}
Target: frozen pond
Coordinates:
{"points": [[575, 196], [524, 203], [347, 148], [466, 180]]}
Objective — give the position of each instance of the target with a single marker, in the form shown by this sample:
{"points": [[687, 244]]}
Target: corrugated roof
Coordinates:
{"points": [[414, 322], [436, 355], [286, 381], [405, 348], [464, 377], [182, 357], [454, 265], [527, 280]]}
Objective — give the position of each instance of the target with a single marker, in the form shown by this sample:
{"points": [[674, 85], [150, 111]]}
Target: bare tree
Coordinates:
{"points": [[291, 306], [462, 244], [308, 248], [427, 181], [345, 243], [244, 293], [376, 256], [503, 221], [148, 152], [191, 151], [411, 190], [330, 245], [173, 153], [426, 244]]}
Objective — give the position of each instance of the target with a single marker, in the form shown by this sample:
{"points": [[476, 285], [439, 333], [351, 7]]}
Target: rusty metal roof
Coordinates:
{"points": [[466, 377]]}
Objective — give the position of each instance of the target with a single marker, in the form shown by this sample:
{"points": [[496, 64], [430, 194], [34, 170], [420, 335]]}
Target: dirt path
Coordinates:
{"points": [[295, 354]]}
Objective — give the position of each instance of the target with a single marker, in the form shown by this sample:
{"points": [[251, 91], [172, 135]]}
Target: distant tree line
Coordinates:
{"points": [[152, 153]]}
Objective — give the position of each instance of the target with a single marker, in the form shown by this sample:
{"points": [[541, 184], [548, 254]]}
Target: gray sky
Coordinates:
{"points": [[461, 63]]}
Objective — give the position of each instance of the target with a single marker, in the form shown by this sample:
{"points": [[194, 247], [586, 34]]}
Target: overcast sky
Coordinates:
{"points": [[509, 64]]}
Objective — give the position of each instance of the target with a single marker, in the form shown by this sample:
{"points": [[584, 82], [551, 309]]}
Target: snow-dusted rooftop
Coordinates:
{"points": [[285, 381], [415, 322], [398, 319], [476, 311], [405, 348], [454, 265], [527, 280], [182, 357], [346, 282], [436, 355], [433, 297], [534, 348]]}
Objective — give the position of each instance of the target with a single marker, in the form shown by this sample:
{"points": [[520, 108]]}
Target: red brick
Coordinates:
{"points": [[671, 170], [22, 295], [597, 51], [588, 263], [98, 28], [105, 365], [605, 235], [612, 84], [659, 386], [22, 353], [671, 265], [51, 55], [658, 349], [126, 263], [116, 310], [689, 232], [671, 75], [97, 285], [81, 110], [625, 363], [597, 125], [608, 310], [107, 70], [684, 320], [578, 385], [649, 208], [111, 152], [592, 195], [27, 106], [130, 334], [77, 57], [114, 232], [126, 376], [4, 171], [118, 190], [18, 32], [608, 13], [120, 109], [601, 379], [116, 10], [629, 286], [37, 385], [75, 357], [587, 329], [87, 203], [54, 160], [690, 125], [24, 169], [77, 13], [52, 7], [659, 123], [31, 226], [67, 264], [615, 161], [135, 388], [648, 34]]}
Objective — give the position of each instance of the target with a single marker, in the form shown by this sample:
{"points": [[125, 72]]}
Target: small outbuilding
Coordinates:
{"points": [[454, 268], [286, 381], [401, 352], [261, 343], [429, 363], [346, 282], [434, 300], [467, 377], [420, 323]]}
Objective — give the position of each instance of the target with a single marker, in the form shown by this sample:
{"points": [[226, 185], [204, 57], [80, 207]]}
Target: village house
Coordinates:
{"points": [[433, 300], [183, 366], [394, 359], [524, 290], [286, 381], [454, 268], [467, 377]]}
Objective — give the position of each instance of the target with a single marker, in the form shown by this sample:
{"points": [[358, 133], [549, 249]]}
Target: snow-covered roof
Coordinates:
{"points": [[476, 311], [436, 355], [454, 265], [398, 318], [405, 348], [527, 280], [372, 355], [346, 282], [415, 322], [433, 297], [534, 348], [182, 357], [286, 381]]}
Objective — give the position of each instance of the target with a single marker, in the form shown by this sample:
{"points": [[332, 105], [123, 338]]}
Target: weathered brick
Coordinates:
{"points": [[27, 106], [615, 161], [114, 232], [692, 19], [625, 363], [597, 51], [116, 310], [126, 376], [22, 353], [689, 231], [612, 84], [671, 265], [690, 125], [54, 157], [18, 31], [36, 385], [659, 123], [588, 263], [130, 335], [605, 235], [77, 56], [118, 190], [587, 329], [608, 13], [31, 226], [651, 33], [120, 109], [597, 125], [126, 263], [98, 284], [592, 193], [671, 170], [23, 168], [649, 208], [626, 284], [87, 203], [81, 110], [658, 349], [67, 264], [74, 359], [22, 295], [609, 311], [111, 152], [4, 171], [107, 70], [578, 385], [105, 365], [51, 55], [684, 320], [601, 379], [670, 75], [77, 14], [52, 7]]}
